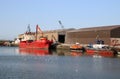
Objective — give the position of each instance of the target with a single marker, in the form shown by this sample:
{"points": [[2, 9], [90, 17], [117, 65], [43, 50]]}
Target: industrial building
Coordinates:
{"points": [[108, 34], [57, 35]]}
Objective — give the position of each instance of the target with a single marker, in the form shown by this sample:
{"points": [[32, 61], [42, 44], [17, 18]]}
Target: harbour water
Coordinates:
{"points": [[40, 64]]}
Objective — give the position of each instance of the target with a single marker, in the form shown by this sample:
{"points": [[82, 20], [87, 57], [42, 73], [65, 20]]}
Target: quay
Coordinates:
{"points": [[113, 51]]}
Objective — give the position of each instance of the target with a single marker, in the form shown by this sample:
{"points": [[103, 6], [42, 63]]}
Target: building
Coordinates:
{"points": [[57, 35], [108, 34]]}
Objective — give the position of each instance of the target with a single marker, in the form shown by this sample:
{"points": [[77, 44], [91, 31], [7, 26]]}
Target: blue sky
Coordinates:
{"points": [[15, 15]]}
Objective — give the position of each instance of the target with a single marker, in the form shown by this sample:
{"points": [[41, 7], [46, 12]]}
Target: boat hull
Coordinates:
{"points": [[35, 44], [104, 53]]}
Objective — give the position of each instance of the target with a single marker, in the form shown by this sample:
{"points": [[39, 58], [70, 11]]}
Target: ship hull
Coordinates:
{"points": [[35, 44], [102, 52]]}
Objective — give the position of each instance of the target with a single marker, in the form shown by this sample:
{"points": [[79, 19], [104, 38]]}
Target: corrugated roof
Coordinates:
{"points": [[97, 28]]}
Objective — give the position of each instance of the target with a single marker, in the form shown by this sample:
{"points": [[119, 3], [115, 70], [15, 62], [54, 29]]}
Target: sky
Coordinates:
{"points": [[15, 15]]}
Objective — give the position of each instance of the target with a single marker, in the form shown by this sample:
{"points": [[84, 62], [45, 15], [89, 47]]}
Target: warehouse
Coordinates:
{"points": [[108, 34], [57, 35]]}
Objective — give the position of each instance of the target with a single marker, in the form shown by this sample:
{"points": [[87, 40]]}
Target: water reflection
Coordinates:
{"points": [[62, 66], [42, 52], [36, 52]]}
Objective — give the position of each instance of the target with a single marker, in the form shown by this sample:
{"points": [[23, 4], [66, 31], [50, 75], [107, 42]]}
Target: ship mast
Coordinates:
{"points": [[28, 29]]}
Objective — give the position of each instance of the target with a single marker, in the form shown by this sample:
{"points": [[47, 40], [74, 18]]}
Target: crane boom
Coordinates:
{"points": [[61, 24]]}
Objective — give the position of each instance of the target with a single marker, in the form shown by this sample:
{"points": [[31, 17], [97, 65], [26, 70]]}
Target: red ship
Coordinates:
{"points": [[38, 42]]}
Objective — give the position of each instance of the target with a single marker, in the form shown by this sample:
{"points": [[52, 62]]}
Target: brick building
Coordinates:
{"points": [[109, 34]]}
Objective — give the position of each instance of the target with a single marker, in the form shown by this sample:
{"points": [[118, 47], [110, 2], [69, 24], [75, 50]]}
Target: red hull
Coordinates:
{"points": [[42, 44], [104, 53]]}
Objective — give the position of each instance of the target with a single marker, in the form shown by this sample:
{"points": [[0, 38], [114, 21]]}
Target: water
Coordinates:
{"points": [[24, 64]]}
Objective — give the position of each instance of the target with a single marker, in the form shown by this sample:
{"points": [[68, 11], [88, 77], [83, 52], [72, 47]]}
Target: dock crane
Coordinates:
{"points": [[61, 24], [61, 37]]}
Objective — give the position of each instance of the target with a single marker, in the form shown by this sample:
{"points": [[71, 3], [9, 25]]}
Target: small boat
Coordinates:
{"points": [[101, 50], [42, 42], [77, 47]]}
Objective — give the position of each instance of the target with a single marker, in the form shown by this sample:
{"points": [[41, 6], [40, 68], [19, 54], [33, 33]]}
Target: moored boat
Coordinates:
{"points": [[43, 43], [77, 47], [39, 42], [100, 52]]}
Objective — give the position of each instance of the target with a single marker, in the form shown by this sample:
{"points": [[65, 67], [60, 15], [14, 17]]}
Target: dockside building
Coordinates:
{"points": [[108, 34]]}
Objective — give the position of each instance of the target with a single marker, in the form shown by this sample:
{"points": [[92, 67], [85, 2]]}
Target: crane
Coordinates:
{"points": [[61, 24], [61, 37]]}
